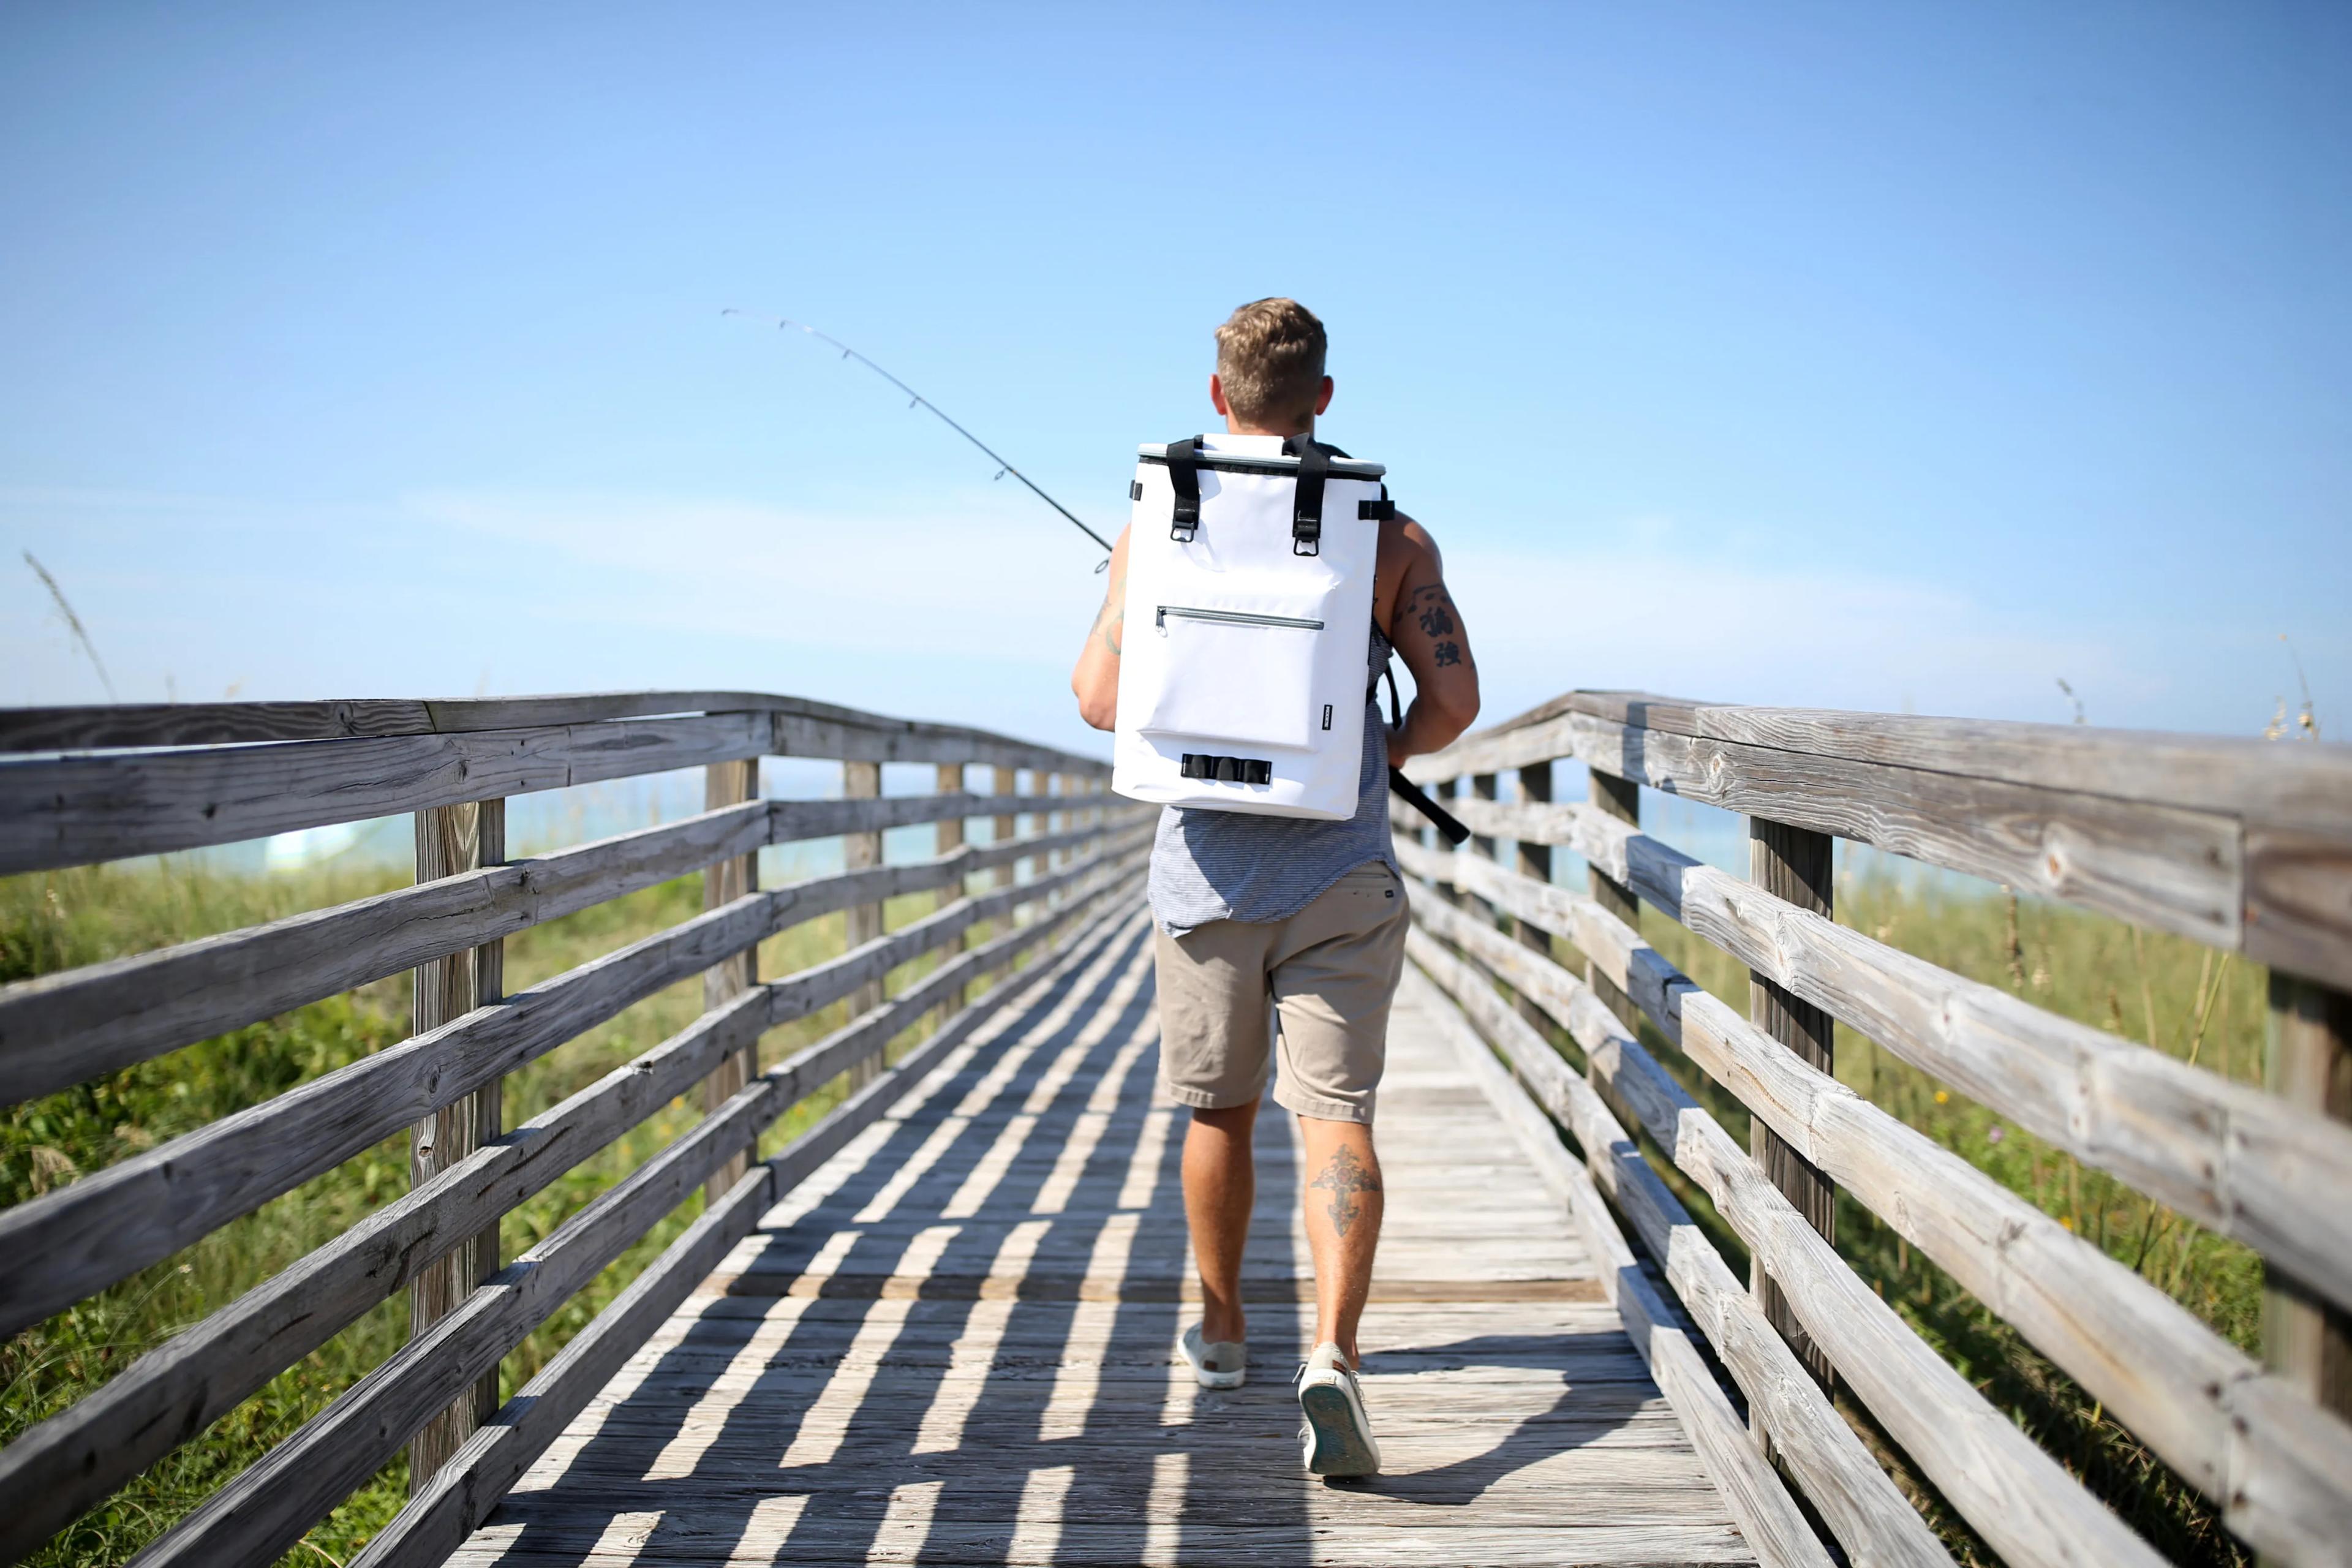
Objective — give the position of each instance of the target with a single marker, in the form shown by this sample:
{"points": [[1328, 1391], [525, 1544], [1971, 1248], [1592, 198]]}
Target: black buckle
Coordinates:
{"points": [[1307, 509]]}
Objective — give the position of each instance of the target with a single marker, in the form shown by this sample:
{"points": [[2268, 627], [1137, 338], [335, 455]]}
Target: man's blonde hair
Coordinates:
{"points": [[1270, 362]]}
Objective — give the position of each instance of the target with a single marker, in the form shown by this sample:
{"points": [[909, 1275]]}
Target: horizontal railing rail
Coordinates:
{"points": [[2246, 846], [86, 785]]}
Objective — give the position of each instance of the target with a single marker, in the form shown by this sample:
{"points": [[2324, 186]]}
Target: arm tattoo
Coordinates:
{"points": [[1111, 619], [1344, 1178], [1432, 609], [1449, 653]]}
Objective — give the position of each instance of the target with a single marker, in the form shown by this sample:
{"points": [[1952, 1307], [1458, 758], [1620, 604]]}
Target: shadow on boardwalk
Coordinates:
{"points": [[954, 1347]]}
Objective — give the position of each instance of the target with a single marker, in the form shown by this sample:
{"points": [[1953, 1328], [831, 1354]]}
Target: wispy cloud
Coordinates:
{"points": [[988, 574]]}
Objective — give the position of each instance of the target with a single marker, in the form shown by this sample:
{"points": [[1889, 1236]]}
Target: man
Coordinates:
{"points": [[1301, 919]]}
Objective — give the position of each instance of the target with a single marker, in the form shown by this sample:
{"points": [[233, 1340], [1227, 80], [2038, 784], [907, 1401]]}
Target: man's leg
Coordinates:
{"points": [[1220, 1186], [1343, 1224]]}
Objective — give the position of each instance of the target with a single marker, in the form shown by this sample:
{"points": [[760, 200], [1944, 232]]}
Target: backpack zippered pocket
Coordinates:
{"points": [[1236, 677]]}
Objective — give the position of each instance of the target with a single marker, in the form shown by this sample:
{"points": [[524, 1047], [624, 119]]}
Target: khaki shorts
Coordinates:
{"points": [[1327, 975]]}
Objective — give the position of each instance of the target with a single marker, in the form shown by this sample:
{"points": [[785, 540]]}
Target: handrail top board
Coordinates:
{"points": [[151, 725], [2301, 785]]}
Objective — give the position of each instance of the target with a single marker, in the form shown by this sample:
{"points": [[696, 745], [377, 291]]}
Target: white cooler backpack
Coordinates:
{"points": [[1243, 677]]}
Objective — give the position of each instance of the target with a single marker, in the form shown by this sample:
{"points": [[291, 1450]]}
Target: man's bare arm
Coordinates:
{"points": [[1096, 680], [1427, 628]]}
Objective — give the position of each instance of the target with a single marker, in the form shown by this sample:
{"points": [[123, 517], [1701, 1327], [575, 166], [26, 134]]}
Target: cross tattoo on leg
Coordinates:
{"points": [[1344, 1178]]}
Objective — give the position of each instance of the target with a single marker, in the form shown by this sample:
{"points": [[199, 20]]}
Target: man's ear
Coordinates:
{"points": [[1217, 393], [1322, 399]]}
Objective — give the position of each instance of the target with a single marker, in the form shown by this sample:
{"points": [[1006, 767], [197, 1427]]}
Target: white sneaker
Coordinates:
{"points": [[1335, 1437], [1223, 1364]]}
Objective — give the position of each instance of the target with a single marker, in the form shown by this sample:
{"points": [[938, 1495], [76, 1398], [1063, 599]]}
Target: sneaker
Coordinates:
{"points": [[1225, 1364], [1335, 1437]]}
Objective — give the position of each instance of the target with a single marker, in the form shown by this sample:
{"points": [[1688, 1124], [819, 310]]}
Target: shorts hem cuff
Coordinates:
{"points": [[1323, 1110], [1204, 1100]]}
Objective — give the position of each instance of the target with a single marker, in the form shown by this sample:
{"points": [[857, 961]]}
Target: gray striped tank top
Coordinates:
{"points": [[1229, 866]]}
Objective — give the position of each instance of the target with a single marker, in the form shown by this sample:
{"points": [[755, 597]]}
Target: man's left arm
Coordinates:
{"points": [[1096, 680], [1427, 627]]}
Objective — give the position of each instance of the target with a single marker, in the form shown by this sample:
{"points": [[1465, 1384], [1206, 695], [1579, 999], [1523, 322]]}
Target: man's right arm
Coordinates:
{"points": [[1096, 680]]}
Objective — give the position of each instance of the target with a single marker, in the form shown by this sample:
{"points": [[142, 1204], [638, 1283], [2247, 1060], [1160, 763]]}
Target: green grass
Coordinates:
{"points": [[2190, 1002], [56, 920]]}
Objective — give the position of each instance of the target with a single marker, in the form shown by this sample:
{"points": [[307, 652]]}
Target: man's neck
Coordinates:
{"points": [[1234, 427]]}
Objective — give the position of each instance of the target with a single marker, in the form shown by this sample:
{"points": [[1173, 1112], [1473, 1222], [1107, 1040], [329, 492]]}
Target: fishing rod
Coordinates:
{"points": [[1403, 787], [919, 401]]}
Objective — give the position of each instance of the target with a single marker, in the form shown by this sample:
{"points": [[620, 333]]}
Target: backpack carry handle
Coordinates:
{"points": [[1306, 507], [1184, 477]]}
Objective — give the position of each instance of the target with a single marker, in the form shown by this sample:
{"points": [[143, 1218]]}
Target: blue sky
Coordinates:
{"points": [[1889, 357]]}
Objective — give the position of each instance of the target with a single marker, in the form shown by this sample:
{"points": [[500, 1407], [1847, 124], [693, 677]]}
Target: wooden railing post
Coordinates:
{"points": [[863, 781], [1792, 863], [1008, 782], [1620, 798], [1447, 789], [2307, 1338], [950, 839], [451, 839], [724, 784], [1535, 861], [1482, 785]]}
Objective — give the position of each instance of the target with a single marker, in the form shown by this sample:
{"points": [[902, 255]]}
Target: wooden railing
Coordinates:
{"points": [[2245, 847], [83, 785]]}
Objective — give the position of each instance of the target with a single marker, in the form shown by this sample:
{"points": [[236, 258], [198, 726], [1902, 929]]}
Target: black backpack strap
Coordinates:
{"points": [[1307, 509], [1184, 476], [1381, 510]]}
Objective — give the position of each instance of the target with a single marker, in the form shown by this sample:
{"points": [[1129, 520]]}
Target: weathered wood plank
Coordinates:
{"points": [[906, 740], [1768, 1518], [438, 1521], [2227, 1155], [697, 1539], [2277, 1465], [2159, 865], [71, 810], [1870, 1519], [951, 836], [71, 1243], [2306, 786], [863, 781], [451, 840], [2280, 1468], [439, 1518], [1792, 865], [1535, 864], [2307, 1062], [270, 1506], [2016, 1496], [68, 1463], [125, 725], [66, 1028], [725, 784]]}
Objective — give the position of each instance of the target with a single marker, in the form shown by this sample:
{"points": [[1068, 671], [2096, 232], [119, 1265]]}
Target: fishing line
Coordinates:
{"points": [[919, 401], [1447, 824]]}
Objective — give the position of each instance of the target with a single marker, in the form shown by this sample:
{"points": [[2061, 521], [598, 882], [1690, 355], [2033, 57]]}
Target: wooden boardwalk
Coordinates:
{"points": [[953, 1346]]}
